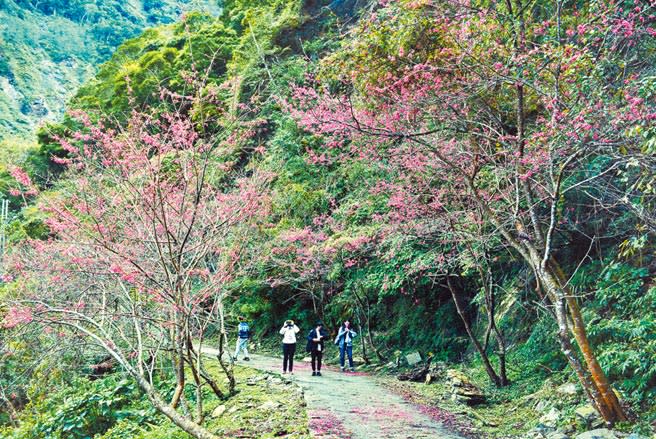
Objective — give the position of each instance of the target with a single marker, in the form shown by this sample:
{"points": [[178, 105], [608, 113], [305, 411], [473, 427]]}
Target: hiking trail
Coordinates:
{"points": [[346, 405]]}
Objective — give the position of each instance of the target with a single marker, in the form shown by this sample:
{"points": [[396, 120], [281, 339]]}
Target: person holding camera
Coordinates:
{"points": [[344, 340], [315, 346], [288, 332]]}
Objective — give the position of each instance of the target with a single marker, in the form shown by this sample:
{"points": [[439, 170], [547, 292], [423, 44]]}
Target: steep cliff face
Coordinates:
{"points": [[49, 48]]}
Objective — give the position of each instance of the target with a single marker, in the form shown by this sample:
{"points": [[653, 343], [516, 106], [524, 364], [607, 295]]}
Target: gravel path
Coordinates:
{"points": [[352, 405]]}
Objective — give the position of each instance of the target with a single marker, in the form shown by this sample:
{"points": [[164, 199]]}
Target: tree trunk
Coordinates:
{"points": [[195, 362], [223, 342], [490, 304], [612, 403], [178, 363], [486, 361], [197, 368], [581, 336], [362, 339], [595, 380], [365, 307], [501, 353], [185, 424]]}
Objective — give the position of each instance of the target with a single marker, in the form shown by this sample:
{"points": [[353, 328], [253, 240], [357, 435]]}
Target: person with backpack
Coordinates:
{"points": [[344, 340], [316, 346], [288, 332], [243, 335]]}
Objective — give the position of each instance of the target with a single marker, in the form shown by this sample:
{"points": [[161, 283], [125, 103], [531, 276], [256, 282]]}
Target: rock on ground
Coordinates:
{"points": [[567, 389], [600, 433], [217, 412], [462, 389]]}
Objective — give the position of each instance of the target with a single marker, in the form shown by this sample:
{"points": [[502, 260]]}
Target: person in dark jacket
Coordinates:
{"points": [[243, 335], [315, 346]]}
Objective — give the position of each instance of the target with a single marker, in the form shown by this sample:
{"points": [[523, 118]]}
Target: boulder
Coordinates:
{"points": [[588, 416], [567, 389], [273, 380], [557, 435], [600, 433], [269, 405], [550, 418], [436, 371], [542, 406], [540, 431], [413, 358], [417, 374], [462, 389], [425, 373], [217, 412]]}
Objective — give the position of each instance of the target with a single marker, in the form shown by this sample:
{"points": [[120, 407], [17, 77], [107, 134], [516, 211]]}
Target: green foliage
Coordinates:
{"points": [[84, 409], [254, 53], [158, 59], [67, 40], [28, 224], [623, 326], [112, 407]]}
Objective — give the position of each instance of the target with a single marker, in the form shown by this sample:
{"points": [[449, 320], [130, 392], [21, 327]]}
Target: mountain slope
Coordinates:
{"points": [[49, 48]]}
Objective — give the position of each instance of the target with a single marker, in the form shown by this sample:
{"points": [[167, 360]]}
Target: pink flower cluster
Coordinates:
{"points": [[17, 315]]}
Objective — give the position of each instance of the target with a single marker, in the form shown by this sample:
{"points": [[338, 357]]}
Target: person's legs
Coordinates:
{"points": [[245, 348], [292, 351], [341, 356], [349, 351], [314, 362], [285, 357], [319, 356], [237, 348]]}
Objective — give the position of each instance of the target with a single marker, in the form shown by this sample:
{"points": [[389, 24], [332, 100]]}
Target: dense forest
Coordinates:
{"points": [[49, 48], [473, 181]]}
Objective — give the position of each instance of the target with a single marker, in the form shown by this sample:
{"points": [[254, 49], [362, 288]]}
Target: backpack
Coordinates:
{"points": [[244, 330], [308, 345]]}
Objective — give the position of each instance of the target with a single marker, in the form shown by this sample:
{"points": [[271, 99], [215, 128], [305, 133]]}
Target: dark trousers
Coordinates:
{"points": [[316, 361], [288, 351], [348, 350]]}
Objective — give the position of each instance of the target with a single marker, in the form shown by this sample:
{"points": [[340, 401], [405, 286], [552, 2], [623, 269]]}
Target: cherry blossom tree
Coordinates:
{"points": [[142, 244], [299, 260], [493, 108]]}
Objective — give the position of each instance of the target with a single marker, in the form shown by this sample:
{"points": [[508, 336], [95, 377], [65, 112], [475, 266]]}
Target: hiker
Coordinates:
{"points": [[288, 332], [242, 339], [344, 340], [315, 345]]}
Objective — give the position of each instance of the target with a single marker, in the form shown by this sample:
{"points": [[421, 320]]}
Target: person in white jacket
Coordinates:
{"points": [[288, 332]]}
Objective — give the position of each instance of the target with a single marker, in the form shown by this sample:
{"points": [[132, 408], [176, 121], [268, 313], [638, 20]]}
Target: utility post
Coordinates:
{"points": [[4, 218]]}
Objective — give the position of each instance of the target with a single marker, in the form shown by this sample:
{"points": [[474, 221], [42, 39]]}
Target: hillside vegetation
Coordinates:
{"points": [[49, 48], [474, 182]]}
